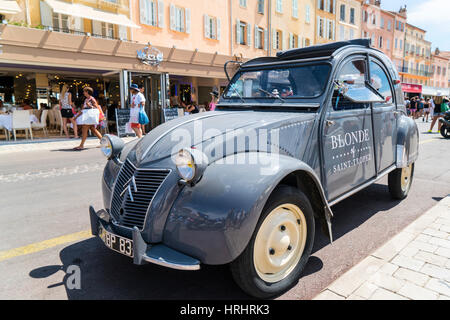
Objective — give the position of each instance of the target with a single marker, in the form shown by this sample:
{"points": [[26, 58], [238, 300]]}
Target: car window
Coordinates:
{"points": [[379, 80], [284, 82], [353, 75]]}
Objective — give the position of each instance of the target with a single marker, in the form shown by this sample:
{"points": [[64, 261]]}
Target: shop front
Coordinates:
{"points": [[411, 90], [35, 63]]}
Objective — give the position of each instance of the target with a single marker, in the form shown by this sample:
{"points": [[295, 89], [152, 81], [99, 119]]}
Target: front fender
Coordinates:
{"points": [[214, 220], [407, 142]]}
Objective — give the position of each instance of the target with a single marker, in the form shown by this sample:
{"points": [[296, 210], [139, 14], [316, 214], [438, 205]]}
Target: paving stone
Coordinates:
{"points": [[387, 282], [413, 276], [415, 292], [440, 242], [393, 246], [436, 272], [353, 278], [419, 224], [423, 246], [383, 294], [407, 262], [431, 258], [388, 269], [440, 286], [435, 233], [444, 228], [409, 251], [328, 295], [355, 297], [366, 290], [444, 252], [423, 237], [443, 220], [435, 226]]}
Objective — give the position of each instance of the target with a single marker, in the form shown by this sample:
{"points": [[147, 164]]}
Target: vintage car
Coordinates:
{"points": [[245, 185]]}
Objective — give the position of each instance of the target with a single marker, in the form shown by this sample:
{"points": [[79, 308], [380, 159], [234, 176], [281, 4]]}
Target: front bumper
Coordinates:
{"points": [[143, 252]]}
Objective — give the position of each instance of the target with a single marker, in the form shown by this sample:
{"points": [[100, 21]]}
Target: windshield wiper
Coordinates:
{"points": [[235, 91], [271, 94]]}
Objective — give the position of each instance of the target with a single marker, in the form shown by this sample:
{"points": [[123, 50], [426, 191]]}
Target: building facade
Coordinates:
{"points": [[398, 38], [348, 19], [439, 71], [325, 21]]}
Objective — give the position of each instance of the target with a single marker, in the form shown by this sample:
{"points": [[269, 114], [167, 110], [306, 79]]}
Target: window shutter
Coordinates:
{"points": [[218, 29], [290, 41], [160, 14], [318, 26], [78, 24], [249, 34], [142, 11], [283, 36], [46, 14], [295, 8], [334, 30], [154, 13], [334, 6], [266, 40], [238, 31], [206, 26], [123, 33], [274, 39], [256, 37], [188, 20], [318, 3], [172, 17], [97, 28]]}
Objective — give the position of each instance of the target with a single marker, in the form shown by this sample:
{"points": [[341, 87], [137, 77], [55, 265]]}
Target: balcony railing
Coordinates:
{"points": [[416, 72], [81, 33]]}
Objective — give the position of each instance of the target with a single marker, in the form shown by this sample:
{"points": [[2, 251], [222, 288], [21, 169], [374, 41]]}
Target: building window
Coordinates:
{"points": [[60, 22], [388, 44], [382, 23], [308, 14], [151, 12], [341, 33], [242, 33], [279, 6], [401, 44], [261, 6], [279, 40], [374, 19], [212, 27], [330, 30], [180, 19], [380, 42], [321, 4], [295, 9], [320, 27], [293, 41], [260, 38], [352, 34], [243, 3], [389, 25], [396, 43], [342, 12], [352, 15]]}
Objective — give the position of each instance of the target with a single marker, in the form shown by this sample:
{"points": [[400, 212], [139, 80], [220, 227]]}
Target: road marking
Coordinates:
{"points": [[429, 140], [46, 244]]}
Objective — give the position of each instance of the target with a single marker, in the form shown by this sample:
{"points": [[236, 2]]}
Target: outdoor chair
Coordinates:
{"points": [[6, 132], [43, 124], [52, 119], [21, 121]]}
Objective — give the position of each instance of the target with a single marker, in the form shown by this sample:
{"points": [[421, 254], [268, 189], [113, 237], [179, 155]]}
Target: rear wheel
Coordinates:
{"points": [[280, 246], [400, 180], [445, 131]]}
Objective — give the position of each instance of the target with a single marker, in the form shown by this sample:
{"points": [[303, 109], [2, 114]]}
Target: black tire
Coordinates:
{"points": [[395, 183], [243, 269], [445, 131]]}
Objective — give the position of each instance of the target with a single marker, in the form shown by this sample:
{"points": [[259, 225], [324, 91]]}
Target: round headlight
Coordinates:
{"points": [[106, 147], [111, 146], [185, 165]]}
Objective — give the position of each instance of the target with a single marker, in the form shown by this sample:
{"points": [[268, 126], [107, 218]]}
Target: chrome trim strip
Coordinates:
{"points": [[257, 104], [353, 191], [175, 127], [287, 61], [171, 265]]}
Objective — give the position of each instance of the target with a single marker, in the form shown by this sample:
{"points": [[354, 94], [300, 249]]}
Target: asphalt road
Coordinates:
{"points": [[45, 195]]}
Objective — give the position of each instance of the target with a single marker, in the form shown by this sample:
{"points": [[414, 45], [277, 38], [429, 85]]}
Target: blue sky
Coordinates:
{"points": [[430, 15]]}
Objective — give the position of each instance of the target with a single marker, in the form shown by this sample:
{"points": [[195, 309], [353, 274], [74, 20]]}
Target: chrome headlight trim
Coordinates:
{"points": [[111, 146]]}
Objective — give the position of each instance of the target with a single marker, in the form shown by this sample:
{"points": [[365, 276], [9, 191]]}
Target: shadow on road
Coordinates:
{"points": [[109, 275]]}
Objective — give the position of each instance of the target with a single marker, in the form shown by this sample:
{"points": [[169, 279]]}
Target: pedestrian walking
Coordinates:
{"points": [[426, 109], [90, 117], [143, 120], [137, 102], [420, 107], [214, 97], [413, 107], [437, 101], [67, 113]]}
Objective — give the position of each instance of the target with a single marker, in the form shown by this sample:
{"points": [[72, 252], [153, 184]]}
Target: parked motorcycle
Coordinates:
{"points": [[445, 127]]}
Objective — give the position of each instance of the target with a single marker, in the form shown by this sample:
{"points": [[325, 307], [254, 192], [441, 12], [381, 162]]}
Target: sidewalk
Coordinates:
{"points": [[49, 144], [414, 265]]}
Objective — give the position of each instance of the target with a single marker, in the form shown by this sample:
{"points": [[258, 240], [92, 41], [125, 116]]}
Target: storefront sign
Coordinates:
{"points": [[411, 88], [170, 114], [150, 56], [122, 123]]}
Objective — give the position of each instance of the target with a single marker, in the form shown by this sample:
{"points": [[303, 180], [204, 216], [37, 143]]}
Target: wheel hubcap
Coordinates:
{"points": [[406, 177], [279, 243]]}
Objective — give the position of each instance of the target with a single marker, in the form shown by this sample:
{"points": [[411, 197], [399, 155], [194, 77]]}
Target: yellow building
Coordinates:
{"points": [[292, 24], [348, 19], [325, 21]]}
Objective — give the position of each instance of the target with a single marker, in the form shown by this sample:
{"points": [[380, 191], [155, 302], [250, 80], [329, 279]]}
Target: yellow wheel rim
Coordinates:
{"points": [[406, 177], [279, 243]]}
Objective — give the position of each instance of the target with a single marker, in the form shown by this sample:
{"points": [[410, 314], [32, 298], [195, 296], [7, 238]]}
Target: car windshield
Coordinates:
{"points": [[282, 82]]}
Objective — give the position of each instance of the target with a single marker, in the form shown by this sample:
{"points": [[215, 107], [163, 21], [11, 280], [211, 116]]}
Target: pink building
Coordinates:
{"points": [[439, 65]]}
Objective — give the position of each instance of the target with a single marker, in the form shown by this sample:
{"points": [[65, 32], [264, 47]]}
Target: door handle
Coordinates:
{"points": [[329, 123]]}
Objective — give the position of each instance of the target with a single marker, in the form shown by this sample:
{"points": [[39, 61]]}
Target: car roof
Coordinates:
{"points": [[321, 51]]}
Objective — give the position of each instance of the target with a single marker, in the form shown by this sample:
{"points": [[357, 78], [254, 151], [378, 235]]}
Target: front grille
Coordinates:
{"points": [[130, 211]]}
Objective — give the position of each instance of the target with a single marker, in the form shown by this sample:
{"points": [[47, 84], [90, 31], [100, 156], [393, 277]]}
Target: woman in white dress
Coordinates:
{"points": [[65, 105]]}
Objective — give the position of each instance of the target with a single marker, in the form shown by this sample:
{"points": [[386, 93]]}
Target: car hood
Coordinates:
{"points": [[214, 133]]}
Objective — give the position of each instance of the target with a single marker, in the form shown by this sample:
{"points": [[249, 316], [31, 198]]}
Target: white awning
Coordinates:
{"points": [[9, 7], [82, 11]]}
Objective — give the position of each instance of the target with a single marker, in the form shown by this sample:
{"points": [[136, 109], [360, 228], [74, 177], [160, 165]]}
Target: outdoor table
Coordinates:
{"points": [[6, 120]]}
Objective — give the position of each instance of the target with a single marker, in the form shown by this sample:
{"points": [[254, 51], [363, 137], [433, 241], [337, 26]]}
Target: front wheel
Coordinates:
{"points": [[280, 246], [400, 180], [445, 131]]}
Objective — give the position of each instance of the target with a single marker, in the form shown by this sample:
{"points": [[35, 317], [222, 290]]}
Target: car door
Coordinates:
{"points": [[384, 116], [348, 155]]}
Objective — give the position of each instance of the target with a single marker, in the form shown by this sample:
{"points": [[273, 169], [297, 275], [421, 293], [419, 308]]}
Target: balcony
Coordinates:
{"points": [[81, 33], [416, 72]]}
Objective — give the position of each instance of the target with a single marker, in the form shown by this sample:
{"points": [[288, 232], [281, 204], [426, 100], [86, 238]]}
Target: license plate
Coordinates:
{"points": [[116, 243]]}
